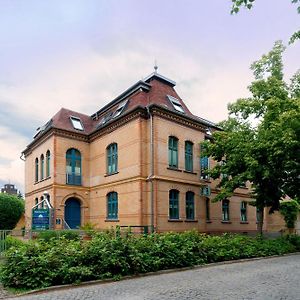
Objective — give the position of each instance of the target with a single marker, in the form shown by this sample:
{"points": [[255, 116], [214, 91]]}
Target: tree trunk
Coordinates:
{"points": [[260, 221]]}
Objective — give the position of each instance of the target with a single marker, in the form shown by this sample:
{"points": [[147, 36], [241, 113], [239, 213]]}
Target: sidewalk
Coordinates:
{"points": [[4, 293]]}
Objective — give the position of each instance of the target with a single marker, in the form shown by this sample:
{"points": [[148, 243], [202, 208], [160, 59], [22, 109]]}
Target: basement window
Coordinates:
{"points": [[76, 122], [176, 104], [120, 108]]}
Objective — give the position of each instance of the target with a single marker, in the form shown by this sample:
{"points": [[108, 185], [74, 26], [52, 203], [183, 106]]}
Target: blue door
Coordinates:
{"points": [[72, 213]]}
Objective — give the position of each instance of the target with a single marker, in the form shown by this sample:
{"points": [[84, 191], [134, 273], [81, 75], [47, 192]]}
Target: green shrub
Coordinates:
{"points": [[47, 235], [51, 260]]}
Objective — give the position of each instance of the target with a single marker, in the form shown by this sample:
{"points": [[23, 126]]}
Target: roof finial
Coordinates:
{"points": [[155, 66]]}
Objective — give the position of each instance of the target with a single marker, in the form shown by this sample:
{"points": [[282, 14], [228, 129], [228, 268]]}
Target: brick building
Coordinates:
{"points": [[136, 161], [9, 189]]}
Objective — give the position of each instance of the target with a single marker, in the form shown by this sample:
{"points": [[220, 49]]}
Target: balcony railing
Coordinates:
{"points": [[73, 179]]}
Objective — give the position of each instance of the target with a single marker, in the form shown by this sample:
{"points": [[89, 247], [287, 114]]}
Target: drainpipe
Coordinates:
{"points": [[150, 177]]}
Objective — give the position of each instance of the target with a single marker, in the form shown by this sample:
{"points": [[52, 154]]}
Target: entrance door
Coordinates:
{"points": [[72, 213]]}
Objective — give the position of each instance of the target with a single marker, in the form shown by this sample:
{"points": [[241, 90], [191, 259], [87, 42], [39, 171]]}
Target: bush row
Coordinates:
{"points": [[40, 264]]}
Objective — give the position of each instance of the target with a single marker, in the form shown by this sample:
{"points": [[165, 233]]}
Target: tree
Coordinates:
{"points": [[11, 209], [236, 4], [289, 210], [260, 140]]}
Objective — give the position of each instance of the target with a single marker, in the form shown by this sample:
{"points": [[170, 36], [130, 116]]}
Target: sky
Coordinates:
{"points": [[82, 54]]}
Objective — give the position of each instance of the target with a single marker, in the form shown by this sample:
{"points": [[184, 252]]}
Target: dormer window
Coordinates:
{"points": [[76, 122], [176, 104], [120, 108], [106, 118]]}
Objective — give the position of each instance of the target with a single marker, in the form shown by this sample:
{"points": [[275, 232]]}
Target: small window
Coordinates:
{"points": [[112, 206], [48, 164], [106, 118], [120, 108], [176, 104], [173, 152], [36, 170], [244, 211], [207, 208], [204, 166], [225, 210], [76, 123], [42, 166], [190, 205], [173, 205], [189, 156], [112, 158]]}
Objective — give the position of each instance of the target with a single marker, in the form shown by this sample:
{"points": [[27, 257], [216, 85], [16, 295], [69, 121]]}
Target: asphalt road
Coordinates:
{"points": [[273, 278]]}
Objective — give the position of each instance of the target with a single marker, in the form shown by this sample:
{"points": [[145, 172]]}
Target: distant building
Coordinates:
{"points": [[135, 162], [9, 189]]}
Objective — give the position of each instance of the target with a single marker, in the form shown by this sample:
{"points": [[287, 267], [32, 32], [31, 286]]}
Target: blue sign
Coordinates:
{"points": [[40, 219]]}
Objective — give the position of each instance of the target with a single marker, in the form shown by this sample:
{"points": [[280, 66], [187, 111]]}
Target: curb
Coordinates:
{"points": [[129, 277]]}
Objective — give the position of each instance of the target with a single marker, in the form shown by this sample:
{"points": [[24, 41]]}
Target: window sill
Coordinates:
{"points": [[190, 221], [175, 220], [208, 221], [110, 174], [111, 220], [42, 180], [174, 169], [190, 172], [226, 222], [244, 222]]}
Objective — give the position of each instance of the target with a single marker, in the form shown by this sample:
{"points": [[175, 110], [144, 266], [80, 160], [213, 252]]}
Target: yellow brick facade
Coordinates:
{"points": [[135, 184]]}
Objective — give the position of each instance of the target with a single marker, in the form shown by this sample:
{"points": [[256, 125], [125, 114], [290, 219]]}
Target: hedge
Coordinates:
{"points": [[40, 264]]}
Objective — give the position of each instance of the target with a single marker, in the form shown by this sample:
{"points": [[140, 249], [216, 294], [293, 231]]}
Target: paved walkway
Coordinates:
{"points": [[3, 293], [274, 278]]}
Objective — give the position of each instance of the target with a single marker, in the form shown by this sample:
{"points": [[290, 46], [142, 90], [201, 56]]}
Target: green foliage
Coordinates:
{"points": [[267, 153], [290, 211], [47, 235], [60, 261], [11, 209]]}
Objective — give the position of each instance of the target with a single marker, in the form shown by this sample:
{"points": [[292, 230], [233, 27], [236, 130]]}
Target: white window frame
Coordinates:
{"points": [[77, 124], [176, 104], [120, 109]]}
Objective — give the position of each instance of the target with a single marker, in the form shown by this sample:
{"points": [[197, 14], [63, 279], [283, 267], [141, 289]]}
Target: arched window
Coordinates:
{"points": [[47, 164], [190, 205], [173, 152], [73, 167], [173, 204], [112, 158], [189, 156], [225, 210], [112, 206], [36, 201], [244, 211], [42, 166], [36, 170]]}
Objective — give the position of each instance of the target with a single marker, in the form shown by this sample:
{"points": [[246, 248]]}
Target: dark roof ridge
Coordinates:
{"points": [[159, 77], [70, 110], [138, 85]]}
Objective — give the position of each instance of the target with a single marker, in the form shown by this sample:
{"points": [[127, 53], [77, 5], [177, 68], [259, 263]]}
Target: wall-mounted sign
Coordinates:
{"points": [[41, 219]]}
